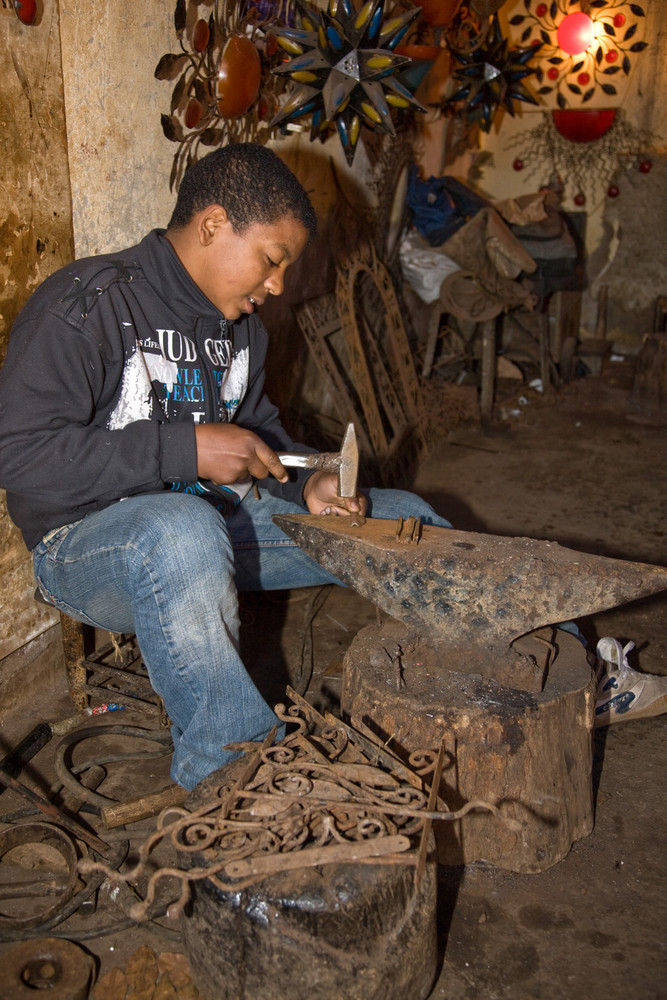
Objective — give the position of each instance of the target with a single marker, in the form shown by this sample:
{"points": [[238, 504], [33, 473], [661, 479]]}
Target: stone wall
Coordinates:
{"points": [[119, 160], [35, 239]]}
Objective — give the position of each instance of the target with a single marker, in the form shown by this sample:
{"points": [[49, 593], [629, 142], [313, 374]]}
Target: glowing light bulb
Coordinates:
{"points": [[575, 33]]}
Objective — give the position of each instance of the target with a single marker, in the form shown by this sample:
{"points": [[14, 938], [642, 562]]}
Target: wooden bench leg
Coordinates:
{"points": [[488, 368], [432, 338], [74, 647]]}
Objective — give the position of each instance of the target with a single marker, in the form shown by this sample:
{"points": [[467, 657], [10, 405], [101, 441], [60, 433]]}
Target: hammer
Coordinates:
{"points": [[345, 462]]}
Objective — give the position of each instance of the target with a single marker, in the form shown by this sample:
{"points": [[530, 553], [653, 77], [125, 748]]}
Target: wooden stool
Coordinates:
{"points": [[113, 672]]}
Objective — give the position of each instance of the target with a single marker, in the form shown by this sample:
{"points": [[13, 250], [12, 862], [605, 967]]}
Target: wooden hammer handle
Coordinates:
{"points": [[122, 813]]}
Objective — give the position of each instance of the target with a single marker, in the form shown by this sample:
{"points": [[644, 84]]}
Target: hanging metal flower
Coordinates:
{"points": [[224, 91], [343, 65], [582, 49], [491, 76], [586, 167]]}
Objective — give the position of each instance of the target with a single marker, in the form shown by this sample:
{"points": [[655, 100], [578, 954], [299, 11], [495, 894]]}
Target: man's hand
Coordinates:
{"points": [[321, 496], [227, 453]]}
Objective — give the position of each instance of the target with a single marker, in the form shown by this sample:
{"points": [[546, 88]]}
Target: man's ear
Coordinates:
{"points": [[210, 220]]}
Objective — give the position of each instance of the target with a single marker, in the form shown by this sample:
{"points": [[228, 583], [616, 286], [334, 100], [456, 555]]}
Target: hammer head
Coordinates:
{"points": [[348, 464]]}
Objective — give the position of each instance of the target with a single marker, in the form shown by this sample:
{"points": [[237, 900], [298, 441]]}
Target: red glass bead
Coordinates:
{"points": [[239, 76], [193, 113], [580, 199], [611, 56], [583, 79], [552, 73], [645, 166], [200, 35], [613, 191], [619, 20], [26, 10], [541, 9], [518, 164]]}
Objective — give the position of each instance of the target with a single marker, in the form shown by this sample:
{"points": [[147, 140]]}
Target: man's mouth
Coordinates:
{"points": [[254, 302]]}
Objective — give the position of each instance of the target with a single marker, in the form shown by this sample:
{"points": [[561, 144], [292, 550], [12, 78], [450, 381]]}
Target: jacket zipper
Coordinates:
{"points": [[212, 395]]}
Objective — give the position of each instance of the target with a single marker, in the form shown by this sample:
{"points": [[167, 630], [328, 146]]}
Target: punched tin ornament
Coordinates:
{"points": [[345, 70]]}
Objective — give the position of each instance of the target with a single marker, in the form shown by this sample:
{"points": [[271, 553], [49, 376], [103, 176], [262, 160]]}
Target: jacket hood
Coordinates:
{"points": [[169, 278]]}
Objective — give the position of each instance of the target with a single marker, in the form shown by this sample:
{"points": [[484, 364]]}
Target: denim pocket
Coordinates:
{"points": [[47, 551], [52, 540], [67, 609]]}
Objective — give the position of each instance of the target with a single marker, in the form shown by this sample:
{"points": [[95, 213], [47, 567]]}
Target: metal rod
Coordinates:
{"points": [[53, 812]]}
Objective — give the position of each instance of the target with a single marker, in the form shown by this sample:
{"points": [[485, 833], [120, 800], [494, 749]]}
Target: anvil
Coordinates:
{"points": [[470, 595]]}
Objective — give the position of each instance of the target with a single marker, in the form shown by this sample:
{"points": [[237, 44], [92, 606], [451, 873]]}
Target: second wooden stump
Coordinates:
{"points": [[528, 753]]}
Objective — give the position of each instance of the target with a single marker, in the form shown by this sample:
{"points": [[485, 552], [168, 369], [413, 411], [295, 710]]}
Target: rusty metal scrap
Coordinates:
{"points": [[51, 810], [62, 968], [326, 793], [409, 532], [64, 887]]}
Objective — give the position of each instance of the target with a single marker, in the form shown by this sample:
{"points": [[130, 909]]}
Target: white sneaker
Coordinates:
{"points": [[624, 693]]}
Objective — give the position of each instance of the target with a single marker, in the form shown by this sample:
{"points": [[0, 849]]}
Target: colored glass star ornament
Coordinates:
{"points": [[491, 78], [343, 65]]}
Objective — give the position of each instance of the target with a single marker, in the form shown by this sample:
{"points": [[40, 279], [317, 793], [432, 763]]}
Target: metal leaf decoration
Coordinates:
{"points": [[224, 90], [584, 168], [344, 69], [575, 79]]}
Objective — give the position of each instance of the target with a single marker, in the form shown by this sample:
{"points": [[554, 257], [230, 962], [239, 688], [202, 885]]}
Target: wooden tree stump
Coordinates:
{"points": [[335, 932], [528, 753]]}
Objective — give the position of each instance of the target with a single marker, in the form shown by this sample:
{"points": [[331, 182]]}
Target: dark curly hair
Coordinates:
{"points": [[250, 182]]}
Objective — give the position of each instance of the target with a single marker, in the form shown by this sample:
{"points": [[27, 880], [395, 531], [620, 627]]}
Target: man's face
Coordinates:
{"points": [[237, 271]]}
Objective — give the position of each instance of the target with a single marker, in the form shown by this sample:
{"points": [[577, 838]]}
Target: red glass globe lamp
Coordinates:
{"points": [[576, 32]]}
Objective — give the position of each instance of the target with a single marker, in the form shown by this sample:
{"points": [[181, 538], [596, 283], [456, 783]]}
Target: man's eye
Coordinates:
{"points": [[272, 263]]}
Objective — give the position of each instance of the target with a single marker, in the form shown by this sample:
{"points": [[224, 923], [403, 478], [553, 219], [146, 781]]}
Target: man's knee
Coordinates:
{"points": [[392, 504], [178, 528]]}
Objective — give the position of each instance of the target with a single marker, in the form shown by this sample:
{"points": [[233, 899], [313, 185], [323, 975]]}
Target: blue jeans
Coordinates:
{"points": [[168, 567]]}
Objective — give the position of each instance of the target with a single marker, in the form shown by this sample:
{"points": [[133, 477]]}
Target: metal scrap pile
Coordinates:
{"points": [[327, 793]]}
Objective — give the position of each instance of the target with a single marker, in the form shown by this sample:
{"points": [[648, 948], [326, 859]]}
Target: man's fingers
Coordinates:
{"points": [[350, 505], [269, 463], [346, 507], [227, 453]]}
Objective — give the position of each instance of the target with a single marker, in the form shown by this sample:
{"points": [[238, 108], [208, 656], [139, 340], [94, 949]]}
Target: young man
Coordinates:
{"points": [[133, 419]]}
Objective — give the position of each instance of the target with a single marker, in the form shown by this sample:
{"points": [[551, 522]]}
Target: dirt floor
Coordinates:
{"points": [[584, 470]]}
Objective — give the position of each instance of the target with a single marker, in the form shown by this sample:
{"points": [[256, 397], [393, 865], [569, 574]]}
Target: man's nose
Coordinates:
{"points": [[275, 283]]}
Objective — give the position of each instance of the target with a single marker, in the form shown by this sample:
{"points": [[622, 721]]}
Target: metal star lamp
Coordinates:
{"points": [[345, 70], [491, 77]]}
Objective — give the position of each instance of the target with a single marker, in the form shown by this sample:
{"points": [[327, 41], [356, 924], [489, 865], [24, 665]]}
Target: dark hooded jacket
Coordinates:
{"points": [[110, 365]]}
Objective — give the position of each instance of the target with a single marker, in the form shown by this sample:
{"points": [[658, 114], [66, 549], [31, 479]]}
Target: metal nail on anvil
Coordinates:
{"points": [[470, 595], [345, 462]]}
